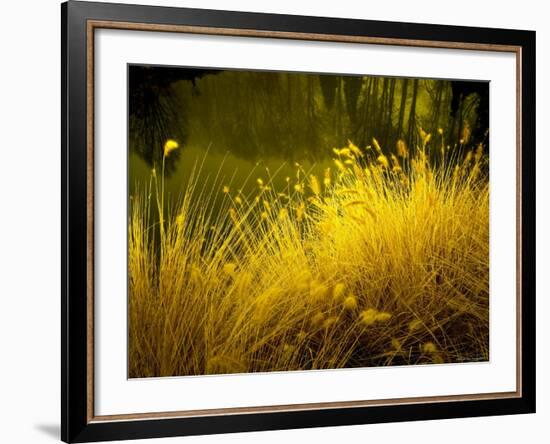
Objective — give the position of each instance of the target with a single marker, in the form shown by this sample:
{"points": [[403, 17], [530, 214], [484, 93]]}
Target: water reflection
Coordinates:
{"points": [[241, 125], [216, 170]]}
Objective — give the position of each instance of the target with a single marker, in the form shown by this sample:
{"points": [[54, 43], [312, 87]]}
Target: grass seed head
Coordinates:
{"points": [[330, 322], [350, 303], [414, 325], [383, 316], [383, 161], [169, 146], [429, 347], [402, 150], [317, 319], [314, 185], [338, 291], [368, 317], [396, 344]]}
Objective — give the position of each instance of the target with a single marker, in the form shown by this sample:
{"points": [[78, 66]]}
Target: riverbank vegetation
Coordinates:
{"points": [[381, 259]]}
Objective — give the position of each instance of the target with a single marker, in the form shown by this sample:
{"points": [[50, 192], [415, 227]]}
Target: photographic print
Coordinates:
{"points": [[275, 222], [284, 221]]}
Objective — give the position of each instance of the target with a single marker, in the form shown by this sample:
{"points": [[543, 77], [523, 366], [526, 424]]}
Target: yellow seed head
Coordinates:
{"points": [[329, 322], [368, 317], [466, 133], [479, 152], [383, 316], [383, 160], [338, 290], [429, 347], [396, 344], [169, 146], [414, 325], [402, 150], [425, 136], [345, 152], [288, 349], [339, 165], [354, 149], [350, 303], [225, 189], [317, 319], [326, 180], [395, 161], [314, 185]]}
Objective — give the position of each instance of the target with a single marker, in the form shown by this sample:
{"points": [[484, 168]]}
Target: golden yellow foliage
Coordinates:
{"points": [[286, 280]]}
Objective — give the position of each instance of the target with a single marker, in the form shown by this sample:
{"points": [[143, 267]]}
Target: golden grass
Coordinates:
{"points": [[382, 261]]}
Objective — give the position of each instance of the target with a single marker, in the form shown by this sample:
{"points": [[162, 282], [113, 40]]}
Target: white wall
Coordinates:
{"points": [[30, 206]]}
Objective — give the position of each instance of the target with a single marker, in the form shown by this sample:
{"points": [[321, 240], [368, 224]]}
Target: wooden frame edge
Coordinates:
{"points": [[285, 408], [336, 38], [90, 119]]}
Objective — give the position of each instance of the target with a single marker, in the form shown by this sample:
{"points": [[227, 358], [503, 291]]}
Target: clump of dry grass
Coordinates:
{"points": [[382, 261]]}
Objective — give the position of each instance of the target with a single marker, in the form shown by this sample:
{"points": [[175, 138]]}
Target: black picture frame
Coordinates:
{"points": [[77, 425]]}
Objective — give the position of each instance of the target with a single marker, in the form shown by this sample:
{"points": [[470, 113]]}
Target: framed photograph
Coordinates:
{"points": [[276, 221]]}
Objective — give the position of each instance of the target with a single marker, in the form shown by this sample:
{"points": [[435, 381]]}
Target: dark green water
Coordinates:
{"points": [[234, 127], [216, 169]]}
